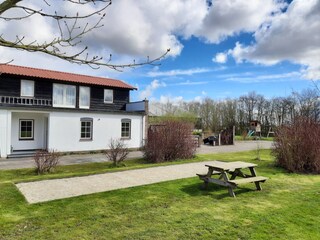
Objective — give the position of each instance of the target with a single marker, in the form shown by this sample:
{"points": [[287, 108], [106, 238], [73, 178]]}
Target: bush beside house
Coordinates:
{"points": [[169, 140], [46, 161]]}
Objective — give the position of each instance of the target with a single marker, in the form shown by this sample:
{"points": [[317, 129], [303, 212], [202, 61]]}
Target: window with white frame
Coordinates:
{"points": [[27, 88], [86, 128], [125, 128], [108, 96], [64, 95], [84, 97], [26, 129]]}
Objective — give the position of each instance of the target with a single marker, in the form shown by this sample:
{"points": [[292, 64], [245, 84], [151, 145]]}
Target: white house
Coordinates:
{"points": [[43, 109]]}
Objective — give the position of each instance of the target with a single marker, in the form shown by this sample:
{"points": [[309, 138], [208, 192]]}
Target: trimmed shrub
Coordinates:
{"points": [[297, 146], [117, 151], [169, 140], [46, 161]]}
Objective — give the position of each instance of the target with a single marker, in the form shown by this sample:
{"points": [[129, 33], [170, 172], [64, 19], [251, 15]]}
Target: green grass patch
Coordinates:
{"points": [[287, 208], [252, 138], [26, 175]]}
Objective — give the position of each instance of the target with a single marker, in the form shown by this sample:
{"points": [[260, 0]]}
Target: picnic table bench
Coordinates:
{"points": [[234, 169]]}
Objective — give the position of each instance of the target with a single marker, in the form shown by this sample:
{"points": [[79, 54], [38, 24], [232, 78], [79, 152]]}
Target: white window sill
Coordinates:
{"points": [[63, 106], [25, 96], [86, 140]]}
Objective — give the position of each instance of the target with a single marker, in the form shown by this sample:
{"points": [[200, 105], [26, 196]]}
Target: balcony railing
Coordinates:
{"points": [[25, 101], [136, 106]]}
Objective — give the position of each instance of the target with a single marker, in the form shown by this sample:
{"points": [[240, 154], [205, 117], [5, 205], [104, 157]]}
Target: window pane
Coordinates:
{"points": [[125, 128], [86, 130], [108, 95], [64, 95], [26, 129], [57, 94], [27, 88], [84, 97], [70, 95]]}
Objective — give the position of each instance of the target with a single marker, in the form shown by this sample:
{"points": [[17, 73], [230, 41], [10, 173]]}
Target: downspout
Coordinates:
{"points": [[142, 131], [146, 120]]}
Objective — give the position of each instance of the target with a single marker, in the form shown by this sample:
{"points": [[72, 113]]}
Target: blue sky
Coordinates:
{"points": [[193, 75], [220, 50]]}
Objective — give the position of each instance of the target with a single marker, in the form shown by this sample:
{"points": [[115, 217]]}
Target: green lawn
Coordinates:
{"points": [[252, 138], [287, 208]]}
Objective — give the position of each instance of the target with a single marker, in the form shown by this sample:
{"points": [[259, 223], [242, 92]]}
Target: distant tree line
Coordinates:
{"points": [[215, 115]]}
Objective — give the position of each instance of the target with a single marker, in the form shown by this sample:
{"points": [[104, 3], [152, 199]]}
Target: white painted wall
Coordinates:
{"points": [[64, 131], [39, 131], [3, 133]]}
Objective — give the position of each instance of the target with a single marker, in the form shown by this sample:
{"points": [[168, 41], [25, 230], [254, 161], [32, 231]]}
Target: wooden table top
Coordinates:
{"points": [[225, 166]]}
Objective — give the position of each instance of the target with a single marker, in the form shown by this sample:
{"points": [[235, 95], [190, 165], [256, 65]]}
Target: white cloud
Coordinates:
{"points": [[28, 29], [134, 29], [169, 99], [293, 36], [148, 91], [137, 29], [198, 99], [148, 28], [230, 17], [189, 83], [254, 78], [220, 58], [201, 97], [177, 72]]}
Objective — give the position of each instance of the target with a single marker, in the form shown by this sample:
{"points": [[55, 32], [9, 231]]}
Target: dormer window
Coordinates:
{"points": [[84, 97], [27, 88], [64, 95], [108, 96]]}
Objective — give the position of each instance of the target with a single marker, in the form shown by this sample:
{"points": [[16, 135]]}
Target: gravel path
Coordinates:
{"points": [[47, 190]]}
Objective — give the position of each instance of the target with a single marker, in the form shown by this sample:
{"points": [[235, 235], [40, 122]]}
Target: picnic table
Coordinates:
{"points": [[233, 169]]}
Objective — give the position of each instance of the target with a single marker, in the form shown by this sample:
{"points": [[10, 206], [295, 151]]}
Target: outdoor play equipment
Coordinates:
{"points": [[255, 128], [250, 133]]}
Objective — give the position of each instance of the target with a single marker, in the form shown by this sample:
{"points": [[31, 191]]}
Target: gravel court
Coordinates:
{"points": [[47, 190]]}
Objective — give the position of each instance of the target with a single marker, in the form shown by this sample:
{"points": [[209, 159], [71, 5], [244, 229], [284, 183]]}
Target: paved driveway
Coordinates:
{"points": [[17, 163], [238, 147]]}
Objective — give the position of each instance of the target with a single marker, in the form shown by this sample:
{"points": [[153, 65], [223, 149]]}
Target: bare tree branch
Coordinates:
{"points": [[8, 4], [70, 30]]}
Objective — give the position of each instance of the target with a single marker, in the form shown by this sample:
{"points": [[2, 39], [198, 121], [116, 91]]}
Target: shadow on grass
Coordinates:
{"points": [[213, 190]]}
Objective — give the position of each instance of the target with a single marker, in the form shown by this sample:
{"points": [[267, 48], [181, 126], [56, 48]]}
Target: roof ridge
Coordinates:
{"points": [[49, 70]]}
